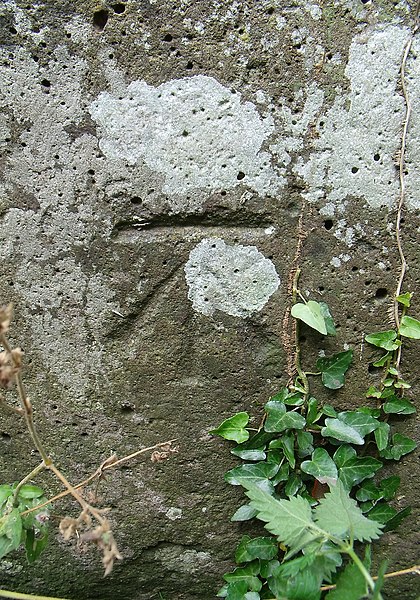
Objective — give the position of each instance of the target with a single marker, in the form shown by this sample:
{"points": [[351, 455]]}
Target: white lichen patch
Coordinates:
{"points": [[194, 131], [237, 280], [360, 135]]}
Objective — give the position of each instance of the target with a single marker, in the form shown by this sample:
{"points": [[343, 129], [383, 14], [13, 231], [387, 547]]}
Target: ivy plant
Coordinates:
{"points": [[312, 475]]}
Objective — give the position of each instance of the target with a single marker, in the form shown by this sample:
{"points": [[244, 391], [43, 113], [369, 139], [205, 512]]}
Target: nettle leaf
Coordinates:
{"points": [[264, 548], [361, 422], [351, 585], [234, 428], [258, 473], [357, 469], [405, 299], [311, 314], [302, 586], [246, 576], [339, 515], [244, 513], [401, 445], [279, 419], [384, 339], [339, 430], [410, 327], [322, 467], [381, 434], [333, 369], [10, 532], [399, 406], [329, 321]]}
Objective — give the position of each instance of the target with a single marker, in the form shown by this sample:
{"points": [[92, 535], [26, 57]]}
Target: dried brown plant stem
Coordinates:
{"points": [[401, 170], [414, 570], [19, 596]]}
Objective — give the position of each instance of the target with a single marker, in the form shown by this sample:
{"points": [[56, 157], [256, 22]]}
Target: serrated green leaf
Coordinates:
{"points": [[10, 532], [257, 454], [321, 466], [244, 513], [351, 585], [384, 339], [303, 586], [264, 548], [339, 515], [395, 521], [329, 321], [381, 434], [311, 314], [410, 327], [258, 473], [30, 491], [360, 421], [358, 468], [279, 419], [399, 406], [234, 428], [333, 369], [405, 299], [338, 430]]}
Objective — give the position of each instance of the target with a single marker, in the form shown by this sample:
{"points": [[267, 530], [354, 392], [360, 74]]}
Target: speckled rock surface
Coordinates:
{"points": [[144, 145]]}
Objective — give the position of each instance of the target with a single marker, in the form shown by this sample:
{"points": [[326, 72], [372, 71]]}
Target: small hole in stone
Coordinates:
{"points": [[46, 83], [236, 270], [376, 157], [185, 133], [189, 65], [168, 38], [354, 269], [372, 369], [118, 8], [354, 169], [328, 223], [270, 10], [127, 408], [100, 19], [240, 175], [223, 193], [91, 172], [136, 200], [5, 436], [12, 30], [381, 293]]}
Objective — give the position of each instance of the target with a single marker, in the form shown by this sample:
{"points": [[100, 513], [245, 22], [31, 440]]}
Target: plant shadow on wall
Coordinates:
{"points": [[311, 474], [25, 510]]}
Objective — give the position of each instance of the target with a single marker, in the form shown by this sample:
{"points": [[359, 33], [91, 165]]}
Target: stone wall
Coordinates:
{"points": [[155, 158]]}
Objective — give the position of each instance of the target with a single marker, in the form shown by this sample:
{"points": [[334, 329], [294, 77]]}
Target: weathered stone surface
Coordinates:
{"points": [[134, 135]]}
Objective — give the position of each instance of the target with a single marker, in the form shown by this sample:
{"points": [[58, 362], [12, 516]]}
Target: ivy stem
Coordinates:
{"points": [[301, 373], [362, 569], [19, 596], [28, 477]]}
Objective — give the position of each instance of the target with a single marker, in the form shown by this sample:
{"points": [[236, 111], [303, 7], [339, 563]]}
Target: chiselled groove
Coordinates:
{"points": [[176, 232]]}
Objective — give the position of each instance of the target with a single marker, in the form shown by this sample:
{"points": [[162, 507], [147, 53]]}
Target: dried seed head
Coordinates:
{"points": [[6, 315], [163, 453]]}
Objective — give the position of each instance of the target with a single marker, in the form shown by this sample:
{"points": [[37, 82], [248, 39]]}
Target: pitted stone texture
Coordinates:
{"points": [[360, 135], [237, 280], [194, 131]]}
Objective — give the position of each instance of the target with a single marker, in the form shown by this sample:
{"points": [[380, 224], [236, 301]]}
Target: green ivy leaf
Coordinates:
{"points": [[34, 545], [279, 419], [384, 339], [395, 521], [399, 406], [5, 492], [339, 430], [358, 468], [258, 473], [287, 443], [293, 485], [234, 428], [30, 491], [313, 414], [368, 491], [282, 475], [333, 369], [360, 421], [405, 299], [381, 434], [244, 513], [381, 513], [10, 532], [281, 395], [329, 321], [382, 361], [264, 548], [343, 454], [304, 440], [401, 445], [410, 327], [311, 314], [389, 487], [302, 586], [329, 410], [257, 454], [247, 576], [321, 466]]}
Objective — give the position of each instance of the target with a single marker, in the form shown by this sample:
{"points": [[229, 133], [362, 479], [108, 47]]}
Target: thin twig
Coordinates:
{"points": [[103, 467], [19, 596], [415, 570]]}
